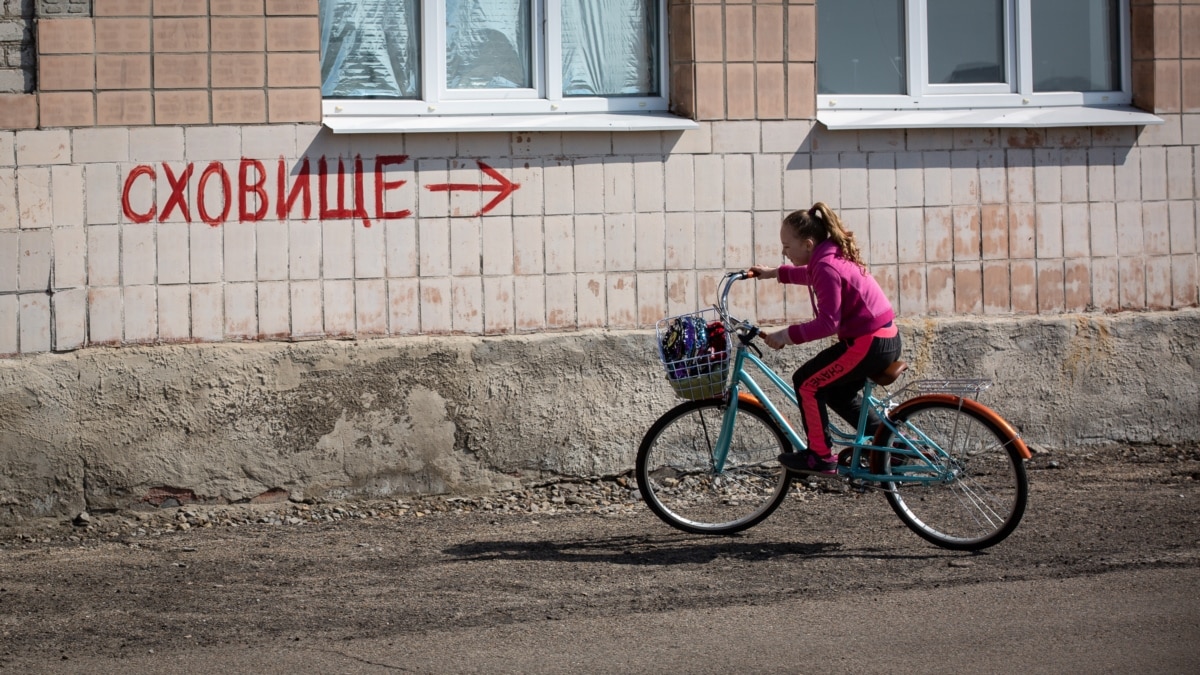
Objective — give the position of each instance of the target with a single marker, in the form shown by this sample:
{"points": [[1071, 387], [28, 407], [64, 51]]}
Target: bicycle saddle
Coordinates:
{"points": [[890, 373]]}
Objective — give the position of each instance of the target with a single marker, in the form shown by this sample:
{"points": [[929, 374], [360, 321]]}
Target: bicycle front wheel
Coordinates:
{"points": [[678, 476], [981, 488]]}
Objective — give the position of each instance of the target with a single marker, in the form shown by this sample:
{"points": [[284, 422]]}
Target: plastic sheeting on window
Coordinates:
{"points": [[370, 48], [488, 44], [609, 47]]}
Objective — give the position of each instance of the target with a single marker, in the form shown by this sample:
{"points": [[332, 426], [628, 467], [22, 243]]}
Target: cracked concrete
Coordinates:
{"points": [[105, 428]]}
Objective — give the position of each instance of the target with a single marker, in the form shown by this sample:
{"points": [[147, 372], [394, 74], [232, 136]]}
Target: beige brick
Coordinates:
{"points": [[35, 323], [709, 38], [622, 300], [178, 8], [67, 109], [802, 33], [123, 35], [237, 34], [768, 33], [181, 107], [295, 70], [36, 248], [66, 199], [105, 325], [371, 306], [682, 46], [436, 305], [141, 314], [180, 35], [306, 308], [1056, 280], [238, 71], [710, 91], [208, 312], [121, 8], [740, 91], [1167, 86], [801, 91], [497, 305], [739, 34], [161, 143], [70, 319], [771, 91], [530, 311], [291, 7], [239, 106], [293, 35], [68, 72], [124, 108], [1166, 31], [9, 310], [1191, 86], [236, 7], [181, 71], [122, 71], [294, 105], [273, 310], [466, 305], [66, 36], [403, 307], [18, 111]]}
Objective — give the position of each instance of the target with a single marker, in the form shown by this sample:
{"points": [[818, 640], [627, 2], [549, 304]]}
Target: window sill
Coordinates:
{"points": [[400, 124], [1059, 116]]}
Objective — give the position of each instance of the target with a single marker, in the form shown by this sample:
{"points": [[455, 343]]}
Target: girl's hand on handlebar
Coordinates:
{"points": [[776, 340], [760, 272]]}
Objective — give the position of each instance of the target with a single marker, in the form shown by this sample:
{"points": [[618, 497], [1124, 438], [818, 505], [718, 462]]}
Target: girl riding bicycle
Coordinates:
{"points": [[847, 302]]}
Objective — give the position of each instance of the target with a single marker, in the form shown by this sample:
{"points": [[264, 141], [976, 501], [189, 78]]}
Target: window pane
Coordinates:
{"points": [[610, 47], [369, 48], [1076, 45], [966, 41], [860, 47], [488, 44]]}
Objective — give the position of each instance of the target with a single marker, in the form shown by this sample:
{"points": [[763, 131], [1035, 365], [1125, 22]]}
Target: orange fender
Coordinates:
{"points": [[974, 406]]}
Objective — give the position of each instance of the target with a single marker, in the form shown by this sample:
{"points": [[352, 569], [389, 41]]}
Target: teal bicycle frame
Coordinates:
{"points": [[919, 469]]}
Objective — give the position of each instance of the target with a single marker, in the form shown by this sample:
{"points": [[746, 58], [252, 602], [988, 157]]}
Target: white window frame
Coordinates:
{"points": [[1013, 103], [542, 107]]}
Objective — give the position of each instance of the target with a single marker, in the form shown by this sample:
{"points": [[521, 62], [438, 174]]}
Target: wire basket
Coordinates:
{"points": [[694, 350]]}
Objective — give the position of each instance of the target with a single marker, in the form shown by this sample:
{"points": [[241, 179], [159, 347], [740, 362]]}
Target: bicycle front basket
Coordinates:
{"points": [[694, 350]]}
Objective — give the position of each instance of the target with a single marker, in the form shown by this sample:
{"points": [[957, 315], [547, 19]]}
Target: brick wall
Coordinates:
{"points": [[148, 108], [168, 62], [16, 47]]}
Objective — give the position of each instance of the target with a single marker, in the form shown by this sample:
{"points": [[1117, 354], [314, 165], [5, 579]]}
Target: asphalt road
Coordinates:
{"points": [[1101, 577]]}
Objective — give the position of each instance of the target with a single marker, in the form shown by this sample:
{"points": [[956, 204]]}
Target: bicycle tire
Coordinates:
{"points": [[985, 488], [677, 480]]}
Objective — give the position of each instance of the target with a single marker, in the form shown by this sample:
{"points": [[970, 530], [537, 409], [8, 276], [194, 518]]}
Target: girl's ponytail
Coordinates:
{"points": [[820, 223]]}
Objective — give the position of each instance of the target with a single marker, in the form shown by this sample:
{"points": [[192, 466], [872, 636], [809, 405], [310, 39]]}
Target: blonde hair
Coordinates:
{"points": [[820, 223]]}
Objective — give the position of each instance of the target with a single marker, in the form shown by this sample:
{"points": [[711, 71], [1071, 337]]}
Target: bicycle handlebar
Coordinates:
{"points": [[746, 330]]}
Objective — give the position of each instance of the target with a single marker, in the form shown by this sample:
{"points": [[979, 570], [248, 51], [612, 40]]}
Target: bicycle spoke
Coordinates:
{"points": [[983, 491], [750, 485]]}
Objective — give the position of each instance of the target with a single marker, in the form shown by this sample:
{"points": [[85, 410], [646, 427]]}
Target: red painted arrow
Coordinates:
{"points": [[503, 186]]}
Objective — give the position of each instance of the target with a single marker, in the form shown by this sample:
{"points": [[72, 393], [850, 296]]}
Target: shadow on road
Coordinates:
{"points": [[665, 550]]}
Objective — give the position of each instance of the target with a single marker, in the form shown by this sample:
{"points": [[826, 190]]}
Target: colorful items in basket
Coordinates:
{"points": [[691, 347]]}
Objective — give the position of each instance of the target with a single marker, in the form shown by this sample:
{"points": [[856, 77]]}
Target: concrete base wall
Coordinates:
{"points": [[108, 428]]}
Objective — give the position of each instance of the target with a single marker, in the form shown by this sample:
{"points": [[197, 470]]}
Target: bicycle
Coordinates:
{"points": [[951, 468]]}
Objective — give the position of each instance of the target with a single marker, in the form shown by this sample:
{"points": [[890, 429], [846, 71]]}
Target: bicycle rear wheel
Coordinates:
{"points": [[677, 476], [983, 489]]}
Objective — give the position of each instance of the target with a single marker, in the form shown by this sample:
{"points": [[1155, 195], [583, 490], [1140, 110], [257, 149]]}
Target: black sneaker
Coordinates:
{"points": [[809, 462]]}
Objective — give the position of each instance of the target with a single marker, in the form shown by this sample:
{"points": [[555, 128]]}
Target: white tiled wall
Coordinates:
{"points": [[605, 230]]}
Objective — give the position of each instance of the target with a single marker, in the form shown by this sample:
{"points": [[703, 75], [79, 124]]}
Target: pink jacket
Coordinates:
{"points": [[846, 301]]}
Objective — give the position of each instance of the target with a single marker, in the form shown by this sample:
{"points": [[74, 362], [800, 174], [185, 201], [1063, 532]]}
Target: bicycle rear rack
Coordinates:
{"points": [[964, 387]]}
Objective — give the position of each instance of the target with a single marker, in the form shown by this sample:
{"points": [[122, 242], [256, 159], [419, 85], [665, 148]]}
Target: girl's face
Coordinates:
{"points": [[795, 248]]}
